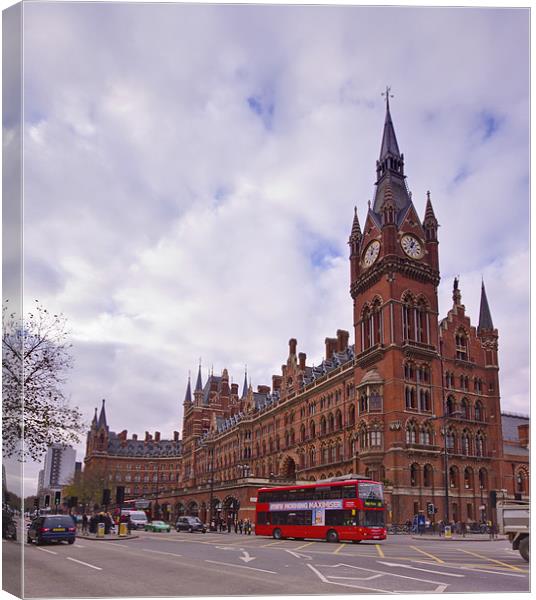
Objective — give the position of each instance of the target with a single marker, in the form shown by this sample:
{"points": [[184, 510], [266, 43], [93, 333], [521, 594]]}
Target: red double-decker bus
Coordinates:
{"points": [[351, 509]]}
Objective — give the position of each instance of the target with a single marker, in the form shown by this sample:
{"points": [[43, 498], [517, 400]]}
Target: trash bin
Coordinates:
{"points": [[448, 531], [123, 529], [100, 530]]}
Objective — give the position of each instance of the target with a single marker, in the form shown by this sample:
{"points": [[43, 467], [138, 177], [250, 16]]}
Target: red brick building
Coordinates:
{"points": [[414, 402]]}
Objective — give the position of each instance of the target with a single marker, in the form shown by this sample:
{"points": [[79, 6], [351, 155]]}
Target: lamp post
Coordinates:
{"points": [[211, 495]]}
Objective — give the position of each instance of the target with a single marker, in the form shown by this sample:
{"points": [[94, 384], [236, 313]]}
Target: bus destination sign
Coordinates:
{"points": [[375, 503], [306, 505]]}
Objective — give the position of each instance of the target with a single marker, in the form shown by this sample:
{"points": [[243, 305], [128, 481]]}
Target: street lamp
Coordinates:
{"points": [[211, 495]]}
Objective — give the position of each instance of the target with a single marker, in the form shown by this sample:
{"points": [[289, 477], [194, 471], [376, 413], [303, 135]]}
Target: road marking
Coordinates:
{"points": [[351, 585], [216, 562], [438, 560], [272, 544], [43, 550], [246, 558], [389, 564], [160, 552], [298, 554], [338, 549], [80, 546], [468, 568], [379, 550], [116, 544], [498, 562], [303, 545], [84, 563]]}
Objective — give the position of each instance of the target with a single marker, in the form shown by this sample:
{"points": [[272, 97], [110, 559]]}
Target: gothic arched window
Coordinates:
{"points": [[428, 476], [411, 433], [408, 318], [414, 475], [351, 415]]}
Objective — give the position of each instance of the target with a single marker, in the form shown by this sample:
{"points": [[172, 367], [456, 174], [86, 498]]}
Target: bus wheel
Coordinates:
{"points": [[277, 534], [332, 536]]}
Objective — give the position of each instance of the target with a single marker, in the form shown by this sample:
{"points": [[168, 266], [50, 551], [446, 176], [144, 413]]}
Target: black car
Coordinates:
{"points": [[52, 528], [190, 524]]}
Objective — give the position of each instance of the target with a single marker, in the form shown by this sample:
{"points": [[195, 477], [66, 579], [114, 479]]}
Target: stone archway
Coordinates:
{"points": [[288, 468], [192, 509], [231, 506]]}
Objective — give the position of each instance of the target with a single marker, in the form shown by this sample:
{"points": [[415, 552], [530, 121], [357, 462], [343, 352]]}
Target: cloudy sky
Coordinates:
{"points": [[191, 173]]}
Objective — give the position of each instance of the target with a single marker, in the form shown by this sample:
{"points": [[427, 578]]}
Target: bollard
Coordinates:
{"points": [[448, 532], [123, 530], [100, 530]]}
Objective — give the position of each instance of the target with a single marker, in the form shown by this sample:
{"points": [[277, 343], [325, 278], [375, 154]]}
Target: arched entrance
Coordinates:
{"points": [[193, 509], [231, 506], [288, 469]]}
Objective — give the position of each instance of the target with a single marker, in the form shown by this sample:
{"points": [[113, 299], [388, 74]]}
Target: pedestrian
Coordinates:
{"points": [[236, 525], [441, 528], [464, 528], [84, 523], [241, 526], [229, 524]]}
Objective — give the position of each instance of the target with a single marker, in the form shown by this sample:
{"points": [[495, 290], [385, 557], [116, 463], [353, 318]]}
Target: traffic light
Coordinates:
{"points": [[36, 502], [430, 508], [57, 498], [47, 500], [120, 495], [106, 497]]}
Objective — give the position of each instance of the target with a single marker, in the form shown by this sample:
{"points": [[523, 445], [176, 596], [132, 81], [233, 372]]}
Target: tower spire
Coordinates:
{"points": [[188, 395], [484, 322], [102, 416], [245, 385], [199, 382], [389, 143], [355, 234]]}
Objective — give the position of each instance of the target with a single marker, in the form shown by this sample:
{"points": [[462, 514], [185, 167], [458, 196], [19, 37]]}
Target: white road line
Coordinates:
{"points": [[80, 562], [44, 550], [390, 564], [160, 552], [474, 569], [351, 585], [216, 562]]}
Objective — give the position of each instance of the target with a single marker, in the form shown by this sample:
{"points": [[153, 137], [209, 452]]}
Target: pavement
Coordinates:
{"points": [[184, 564]]}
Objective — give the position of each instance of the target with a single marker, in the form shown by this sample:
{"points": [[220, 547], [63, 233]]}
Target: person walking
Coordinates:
{"points": [[236, 525], [84, 523], [241, 526]]}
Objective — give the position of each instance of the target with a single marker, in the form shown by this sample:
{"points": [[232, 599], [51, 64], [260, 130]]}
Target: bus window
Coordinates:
{"points": [[348, 491], [340, 517], [370, 490], [372, 518], [262, 518]]}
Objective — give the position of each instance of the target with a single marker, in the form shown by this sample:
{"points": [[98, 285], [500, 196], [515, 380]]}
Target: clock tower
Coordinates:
{"points": [[394, 279]]}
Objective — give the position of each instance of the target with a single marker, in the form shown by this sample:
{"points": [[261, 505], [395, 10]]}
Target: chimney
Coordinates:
{"points": [[135, 437], [292, 343], [342, 340], [331, 347], [156, 436], [276, 382], [175, 436], [302, 356], [263, 389], [523, 434], [147, 436], [123, 435]]}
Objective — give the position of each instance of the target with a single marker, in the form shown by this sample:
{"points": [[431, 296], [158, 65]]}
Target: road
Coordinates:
{"points": [[183, 564]]}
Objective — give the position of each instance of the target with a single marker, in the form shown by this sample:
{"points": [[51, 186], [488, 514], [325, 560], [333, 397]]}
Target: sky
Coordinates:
{"points": [[191, 174]]}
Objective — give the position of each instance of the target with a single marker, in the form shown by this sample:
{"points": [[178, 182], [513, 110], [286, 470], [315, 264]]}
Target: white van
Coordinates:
{"points": [[137, 517]]}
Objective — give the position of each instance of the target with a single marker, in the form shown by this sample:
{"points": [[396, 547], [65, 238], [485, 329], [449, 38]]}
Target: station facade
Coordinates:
{"points": [[414, 401]]}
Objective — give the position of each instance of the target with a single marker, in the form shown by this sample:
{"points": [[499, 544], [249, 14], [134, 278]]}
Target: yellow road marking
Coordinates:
{"points": [[303, 546], [498, 562], [271, 544], [380, 551], [339, 549], [427, 554]]}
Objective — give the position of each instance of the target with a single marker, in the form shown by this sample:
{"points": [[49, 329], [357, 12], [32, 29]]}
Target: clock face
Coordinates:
{"points": [[371, 253], [411, 246]]}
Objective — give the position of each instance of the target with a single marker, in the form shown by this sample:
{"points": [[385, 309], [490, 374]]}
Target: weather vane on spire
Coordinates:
{"points": [[387, 94]]}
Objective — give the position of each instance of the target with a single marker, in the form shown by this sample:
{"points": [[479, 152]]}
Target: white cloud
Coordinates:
{"points": [[170, 218]]}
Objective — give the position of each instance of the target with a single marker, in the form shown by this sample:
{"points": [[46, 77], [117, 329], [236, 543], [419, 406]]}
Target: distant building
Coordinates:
{"points": [[58, 470], [515, 430]]}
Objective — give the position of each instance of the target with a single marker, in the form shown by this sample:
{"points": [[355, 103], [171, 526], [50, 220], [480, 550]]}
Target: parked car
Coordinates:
{"points": [[52, 528], [138, 519], [190, 524], [158, 526]]}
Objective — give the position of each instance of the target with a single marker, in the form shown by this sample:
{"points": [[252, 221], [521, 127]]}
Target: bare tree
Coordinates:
{"points": [[35, 358]]}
